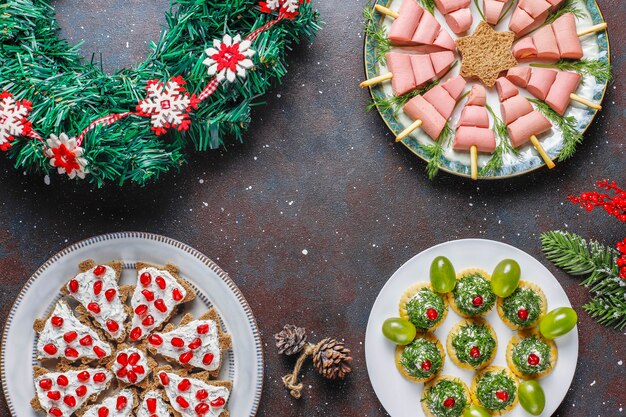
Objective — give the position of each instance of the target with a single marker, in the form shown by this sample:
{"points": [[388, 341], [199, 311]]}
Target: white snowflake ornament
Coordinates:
{"points": [[66, 156], [229, 58], [168, 105], [13, 119]]}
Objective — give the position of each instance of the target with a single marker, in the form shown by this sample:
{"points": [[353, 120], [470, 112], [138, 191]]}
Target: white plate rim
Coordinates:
{"points": [[177, 245], [373, 331]]}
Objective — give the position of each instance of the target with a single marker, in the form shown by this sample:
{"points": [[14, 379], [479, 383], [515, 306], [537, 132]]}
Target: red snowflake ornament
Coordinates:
{"points": [[168, 105], [285, 8], [13, 119]]}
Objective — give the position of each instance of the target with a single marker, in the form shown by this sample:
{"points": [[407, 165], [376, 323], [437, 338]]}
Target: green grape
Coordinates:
{"points": [[399, 331], [505, 278], [558, 322], [442, 275], [531, 397], [476, 411]]}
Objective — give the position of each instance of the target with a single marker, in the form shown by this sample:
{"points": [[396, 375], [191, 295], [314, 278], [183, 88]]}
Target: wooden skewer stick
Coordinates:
{"points": [[474, 157], [386, 11], [377, 80], [542, 152], [592, 29], [406, 132], [584, 101]]}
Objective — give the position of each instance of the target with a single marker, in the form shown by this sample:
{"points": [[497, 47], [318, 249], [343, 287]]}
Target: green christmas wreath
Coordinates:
{"points": [[195, 90]]}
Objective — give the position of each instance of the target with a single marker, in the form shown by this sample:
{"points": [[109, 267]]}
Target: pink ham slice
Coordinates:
{"points": [[525, 48], [459, 20], [567, 37], [534, 8], [522, 22], [400, 66], [467, 136], [432, 122], [492, 10], [514, 108], [403, 28], [477, 96], [545, 41], [540, 82], [441, 100], [423, 71], [444, 40], [555, 4], [505, 89], [559, 96], [449, 6], [519, 76], [442, 61], [533, 123], [427, 30], [454, 87], [476, 116]]}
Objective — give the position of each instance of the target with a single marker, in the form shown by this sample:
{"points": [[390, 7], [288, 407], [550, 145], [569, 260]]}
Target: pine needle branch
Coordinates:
{"points": [[572, 137]]}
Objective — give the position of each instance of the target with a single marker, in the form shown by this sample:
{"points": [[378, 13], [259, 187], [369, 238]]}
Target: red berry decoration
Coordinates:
{"points": [[432, 314], [160, 305], [97, 287], [110, 294], [203, 329], [112, 326], [502, 395], [177, 295], [99, 270], [208, 358], [477, 301], [83, 376], [218, 402], [50, 349], [449, 402], [426, 365], [73, 285], [533, 360], [160, 282], [81, 391], [94, 308], [135, 333], [56, 321], [145, 279], [155, 339], [45, 384], [475, 352], [522, 313], [121, 403], [86, 341]]}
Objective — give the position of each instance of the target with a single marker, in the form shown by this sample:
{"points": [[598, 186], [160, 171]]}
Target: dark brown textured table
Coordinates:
{"points": [[314, 212]]}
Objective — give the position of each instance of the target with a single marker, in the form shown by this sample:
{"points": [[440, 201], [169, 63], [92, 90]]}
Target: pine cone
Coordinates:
{"points": [[332, 360], [290, 340]]}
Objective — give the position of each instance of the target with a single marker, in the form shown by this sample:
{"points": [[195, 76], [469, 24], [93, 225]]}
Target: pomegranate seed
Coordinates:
{"points": [[133, 358], [426, 365], [177, 342], [62, 381], [50, 349], [149, 295], [94, 308], [56, 321], [202, 408], [70, 336], [177, 295], [71, 353], [475, 352], [184, 385], [218, 402], [203, 329], [148, 321], [45, 384], [182, 402], [202, 394], [195, 344], [73, 285], [122, 359], [70, 400], [103, 412], [112, 326], [141, 309], [139, 370], [81, 391], [185, 357], [533, 360], [208, 358], [160, 305], [100, 377], [55, 412], [502, 395], [101, 353], [160, 282], [145, 279], [121, 403], [54, 395], [99, 270], [522, 313], [477, 301], [432, 314], [151, 403], [122, 373], [164, 378], [135, 333], [110, 294], [449, 402], [86, 341], [132, 377], [83, 376], [97, 287], [155, 339]]}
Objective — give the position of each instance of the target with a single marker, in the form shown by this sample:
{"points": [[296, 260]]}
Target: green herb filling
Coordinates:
{"points": [[473, 335], [418, 306], [439, 393], [416, 353], [522, 298], [468, 288], [489, 386], [535, 346]]}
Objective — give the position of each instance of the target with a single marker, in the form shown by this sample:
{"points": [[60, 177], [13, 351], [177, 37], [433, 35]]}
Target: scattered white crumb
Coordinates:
{"points": [[305, 252]]}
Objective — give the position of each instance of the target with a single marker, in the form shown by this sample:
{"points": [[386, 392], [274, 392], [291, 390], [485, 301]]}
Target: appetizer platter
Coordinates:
{"points": [[471, 328], [489, 88], [131, 324]]}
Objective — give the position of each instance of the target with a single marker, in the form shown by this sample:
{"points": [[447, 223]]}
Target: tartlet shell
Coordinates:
{"points": [[433, 382], [400, 349], [516, 339], [452, 351], [544, 306], [409, 293], [452, 300], [474, 389]]}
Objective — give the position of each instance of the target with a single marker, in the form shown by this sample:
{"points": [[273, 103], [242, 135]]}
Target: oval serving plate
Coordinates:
{"points": [[243, 364], [458, 163], [399, 396]]}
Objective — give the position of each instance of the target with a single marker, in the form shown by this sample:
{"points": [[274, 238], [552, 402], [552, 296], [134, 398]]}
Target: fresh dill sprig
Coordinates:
{"points": [[396, 103], [506, 11], [601, 70], [504, 146], [482, 15], [570, 6], [571, 136], [377, 33], [435, 151], [428, 5]]}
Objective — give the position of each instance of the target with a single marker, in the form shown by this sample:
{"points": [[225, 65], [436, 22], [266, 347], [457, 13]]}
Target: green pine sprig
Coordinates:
{"points": [[598, 263], [377, 33], [572, 137], [503, 148], [600, 70]]}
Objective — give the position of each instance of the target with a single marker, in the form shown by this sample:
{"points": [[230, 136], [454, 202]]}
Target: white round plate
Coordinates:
{"points": [[400, 397], [243, 365]]}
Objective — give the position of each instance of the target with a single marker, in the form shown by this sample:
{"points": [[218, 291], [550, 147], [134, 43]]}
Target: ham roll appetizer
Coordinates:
{"points": [[552, 42], [492, 9], [530, 14], [457, 13]]}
